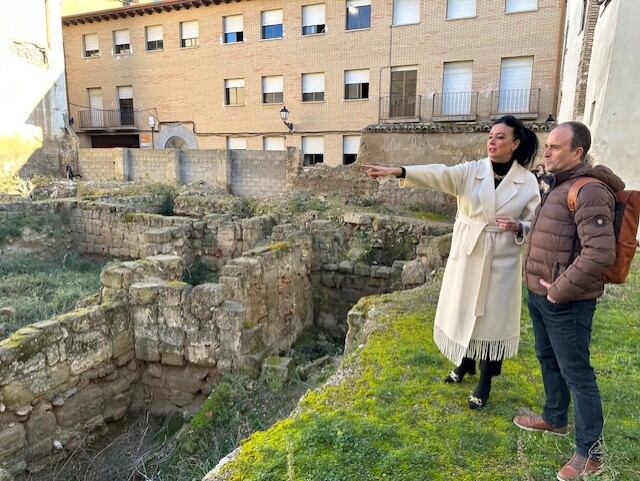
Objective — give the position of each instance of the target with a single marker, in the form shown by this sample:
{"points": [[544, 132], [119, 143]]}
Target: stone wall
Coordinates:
{"points": [[210, 166], [102, 164], [148, 165]]}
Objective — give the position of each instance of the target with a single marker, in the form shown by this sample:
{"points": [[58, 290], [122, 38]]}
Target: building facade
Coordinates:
{"points": [[211, 74], [599, 80], [33, 133]]}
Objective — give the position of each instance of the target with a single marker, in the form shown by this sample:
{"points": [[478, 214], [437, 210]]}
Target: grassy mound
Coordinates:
{"points": [[390, 416]]}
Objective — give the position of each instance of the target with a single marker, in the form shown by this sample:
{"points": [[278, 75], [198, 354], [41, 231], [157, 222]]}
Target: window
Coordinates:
{"points": [[273, 143], [358, 14], [312, 150], [91, 45], [233, 29], [515, 84], [154, 37], [456, 88], [461, 9], [272, 24], [406, 12], [521, 5], [96, 118], [313, 19], [272, 90], [404, 81], [121, 43], [236, 143], [234, 92], [189, 34], [312, 87], [125, 100], [356, 84], [350, 146]]}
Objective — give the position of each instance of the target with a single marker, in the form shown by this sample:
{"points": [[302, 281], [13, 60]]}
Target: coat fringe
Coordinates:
{"points": [[492, 350]]}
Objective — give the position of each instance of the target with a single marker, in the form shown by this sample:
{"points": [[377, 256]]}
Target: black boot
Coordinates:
{"points": [[467, 366], [480, 395]]}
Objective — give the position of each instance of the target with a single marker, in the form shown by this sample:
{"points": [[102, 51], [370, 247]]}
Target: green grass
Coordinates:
{"points": [[39, 289], [393, 418]]}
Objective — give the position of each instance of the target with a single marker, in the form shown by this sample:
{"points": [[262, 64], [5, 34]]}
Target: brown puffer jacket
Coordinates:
{"points": [[553, 230]]}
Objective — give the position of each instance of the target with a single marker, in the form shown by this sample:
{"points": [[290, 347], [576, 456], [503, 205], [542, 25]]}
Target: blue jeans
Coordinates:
{"points": [[563, 334]]}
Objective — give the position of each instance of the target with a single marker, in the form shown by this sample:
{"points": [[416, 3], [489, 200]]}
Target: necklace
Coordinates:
{"points": [[499, 177]]}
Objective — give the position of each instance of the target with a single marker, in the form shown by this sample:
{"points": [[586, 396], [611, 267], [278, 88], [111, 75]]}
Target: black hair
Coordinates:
{"points": [[528, 147], [581, 137]]}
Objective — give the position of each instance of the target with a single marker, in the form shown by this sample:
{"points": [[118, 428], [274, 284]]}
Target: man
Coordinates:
{"points": [[564, 261]]}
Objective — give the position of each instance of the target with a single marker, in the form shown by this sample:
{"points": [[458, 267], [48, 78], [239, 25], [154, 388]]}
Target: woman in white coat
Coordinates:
{"points": [[478, 314]]}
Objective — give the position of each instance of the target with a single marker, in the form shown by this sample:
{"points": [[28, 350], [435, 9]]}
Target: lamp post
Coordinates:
{"points": [[284, 115], [152, 124]]}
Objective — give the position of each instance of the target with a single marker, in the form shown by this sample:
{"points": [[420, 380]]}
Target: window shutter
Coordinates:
{"points": [[272, 85], [406, 11], [122, 37], [274, 143], [461, 8], [356, 77], [313, 145], [91, 42], [312, 82], [358, 3], [237, 143], [154, 33], [233, 24], [515, 73], [457, 77], [271, 17], [313, 15], [351, 144], [521, 5], [125, 92], [190, 29], [234, 83]]}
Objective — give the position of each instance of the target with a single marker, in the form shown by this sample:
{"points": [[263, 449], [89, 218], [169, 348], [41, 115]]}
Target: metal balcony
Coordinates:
{"points": [[96, 119], [455, 106], [523, 103], [400, 107]]}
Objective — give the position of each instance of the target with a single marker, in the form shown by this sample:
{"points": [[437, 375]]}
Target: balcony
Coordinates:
{"points": [[96, 119], [400, 108], [524, 103], [455, 106]]}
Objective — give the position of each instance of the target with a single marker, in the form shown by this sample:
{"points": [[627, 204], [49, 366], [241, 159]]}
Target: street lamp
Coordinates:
{"points": [[284, 115], [152, 124]]}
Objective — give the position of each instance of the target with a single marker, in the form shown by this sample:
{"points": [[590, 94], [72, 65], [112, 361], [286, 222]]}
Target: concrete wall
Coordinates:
{"points": [[258, 173]]}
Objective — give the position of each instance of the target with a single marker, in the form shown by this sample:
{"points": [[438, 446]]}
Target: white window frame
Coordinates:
{"points": [[124, 41], [236, 84], [453, 14], [273, 84], [313, 20], [357, 4], [348, 144], [312, 148], [230, 25], [271, 18], [192, 41], [409, 16], [511, 100], [236, 143], [511, 6], [151, 31], [356, 77], [95, 52], [268, 141], [313, 86]]}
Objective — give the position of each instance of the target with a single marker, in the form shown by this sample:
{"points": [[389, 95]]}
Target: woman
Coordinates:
{"points": [[478, 314]]}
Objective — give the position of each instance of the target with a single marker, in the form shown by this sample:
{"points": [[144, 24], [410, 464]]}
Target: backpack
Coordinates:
{"points": [[625, 225]]}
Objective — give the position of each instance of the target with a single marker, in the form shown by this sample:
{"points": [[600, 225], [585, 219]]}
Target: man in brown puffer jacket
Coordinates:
{"points": [[565, 259]]}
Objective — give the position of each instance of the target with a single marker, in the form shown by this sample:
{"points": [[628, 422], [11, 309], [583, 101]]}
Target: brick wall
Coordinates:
{"points": [[209, 166], [258, 173]]}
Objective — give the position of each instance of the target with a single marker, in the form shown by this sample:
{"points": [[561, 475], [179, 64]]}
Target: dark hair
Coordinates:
{"points": [[581, 137], [528, 147]]}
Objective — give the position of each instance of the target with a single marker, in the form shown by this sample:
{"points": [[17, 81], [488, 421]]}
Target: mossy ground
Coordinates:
{"points": [[393, 417]]}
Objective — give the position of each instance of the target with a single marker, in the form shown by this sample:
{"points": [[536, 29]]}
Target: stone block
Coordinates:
{"points": [[80, 408], [147, 349], [276, 371], [116, 277], [357, 218], [361, 270], [167, 266], [158, 236], [17, 394], [41, 426], [414, 274], [49, 378], [171, 293], [116, 407], [86, 350], [346, 267], [143, 293], [204, 298], [12, 440]]}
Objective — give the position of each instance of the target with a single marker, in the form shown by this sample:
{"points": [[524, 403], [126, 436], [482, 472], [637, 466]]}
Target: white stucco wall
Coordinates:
{"points": [[572, 47], [613, 85], [32, 89]]}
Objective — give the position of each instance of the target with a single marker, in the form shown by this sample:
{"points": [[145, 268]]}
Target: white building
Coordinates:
{"points": [[599, 84]]}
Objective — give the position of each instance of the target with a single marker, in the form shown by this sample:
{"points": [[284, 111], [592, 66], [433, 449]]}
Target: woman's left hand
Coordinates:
{"points": [[508, 223]]}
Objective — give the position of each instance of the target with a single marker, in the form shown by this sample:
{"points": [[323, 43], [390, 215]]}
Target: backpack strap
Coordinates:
{"points": [[572, 197]]}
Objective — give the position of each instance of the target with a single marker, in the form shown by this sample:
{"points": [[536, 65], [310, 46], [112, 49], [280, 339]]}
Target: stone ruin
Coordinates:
{"points": [[151, 341]]}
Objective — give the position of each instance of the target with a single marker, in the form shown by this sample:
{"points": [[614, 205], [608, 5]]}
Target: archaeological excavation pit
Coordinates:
{"points": [[201, 289]]}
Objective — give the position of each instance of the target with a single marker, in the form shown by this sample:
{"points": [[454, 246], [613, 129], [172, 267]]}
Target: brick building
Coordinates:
{"points": [[214, 74]]}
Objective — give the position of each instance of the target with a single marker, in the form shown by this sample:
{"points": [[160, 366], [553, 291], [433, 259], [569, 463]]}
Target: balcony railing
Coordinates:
{"points": [[455, 106], [522, 103], [106, 119], [400, 107]]}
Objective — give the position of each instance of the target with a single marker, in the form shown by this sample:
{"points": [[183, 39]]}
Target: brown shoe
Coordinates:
{"points": [[533, 422], [580, 467]]}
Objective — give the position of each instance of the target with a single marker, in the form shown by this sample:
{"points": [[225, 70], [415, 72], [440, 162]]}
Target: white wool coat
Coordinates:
{"points": [[478, 312]]}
